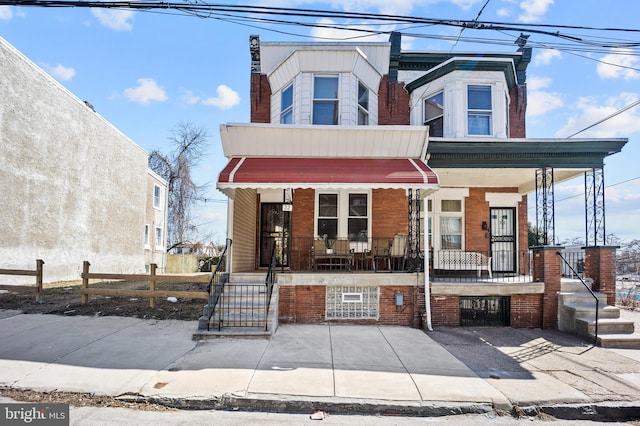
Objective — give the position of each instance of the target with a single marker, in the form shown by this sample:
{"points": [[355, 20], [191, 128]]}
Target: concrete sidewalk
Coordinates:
{"points": [[336, 368]]}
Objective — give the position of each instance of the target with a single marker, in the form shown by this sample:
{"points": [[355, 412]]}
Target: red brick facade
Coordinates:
{"points": [[393, 103], [307, 305], [260, 94], [547, 269], [517, 111], [445, 311], [389, 212], [526, 310], [600, 265]]}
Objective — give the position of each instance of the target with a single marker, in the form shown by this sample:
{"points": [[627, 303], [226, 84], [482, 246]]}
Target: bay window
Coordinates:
{"points": [[286, 105], [363, 105], [434, 114], [479, 110], [325, 100]]}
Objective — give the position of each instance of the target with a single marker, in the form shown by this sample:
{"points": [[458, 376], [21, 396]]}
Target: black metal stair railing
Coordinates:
{"points": [[216, 284], [595, 341]]}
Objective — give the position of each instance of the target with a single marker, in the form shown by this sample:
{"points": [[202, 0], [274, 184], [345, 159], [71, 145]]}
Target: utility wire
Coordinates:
{"points": [[620, 111], [205, 10]]}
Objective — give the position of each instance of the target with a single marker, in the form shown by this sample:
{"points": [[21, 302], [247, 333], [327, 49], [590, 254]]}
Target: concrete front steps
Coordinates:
{"points": [[577, 315], [243, 310]]}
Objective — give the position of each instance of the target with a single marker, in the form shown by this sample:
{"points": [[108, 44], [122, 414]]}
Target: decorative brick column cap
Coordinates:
{"points": [[600, 247], [546, 247]]}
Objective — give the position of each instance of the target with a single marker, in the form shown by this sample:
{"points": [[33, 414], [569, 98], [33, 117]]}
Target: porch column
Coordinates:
{"points": [[600, 265], [547, 269]]}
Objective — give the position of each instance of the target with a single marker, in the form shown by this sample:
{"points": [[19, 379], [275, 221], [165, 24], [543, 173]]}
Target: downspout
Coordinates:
{"points": [[427, 290], [230, 209]]}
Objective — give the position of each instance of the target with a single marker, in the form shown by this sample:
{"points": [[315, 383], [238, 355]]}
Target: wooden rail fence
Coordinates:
{"points": [[34, 288], [152, 278]]}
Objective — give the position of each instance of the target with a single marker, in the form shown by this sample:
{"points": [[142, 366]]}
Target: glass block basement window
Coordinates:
{"points": [[352, 302]]}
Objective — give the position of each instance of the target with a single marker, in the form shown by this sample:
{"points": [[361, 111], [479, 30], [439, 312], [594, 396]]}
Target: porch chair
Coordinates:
{"points": [[399, 251], [380, 249]]}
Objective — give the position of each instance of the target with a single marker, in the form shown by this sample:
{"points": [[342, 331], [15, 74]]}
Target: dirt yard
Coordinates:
{"points": [[65, 299]]}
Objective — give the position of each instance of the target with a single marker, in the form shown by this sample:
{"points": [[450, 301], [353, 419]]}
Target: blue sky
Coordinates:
{"points": [[147, 71]]}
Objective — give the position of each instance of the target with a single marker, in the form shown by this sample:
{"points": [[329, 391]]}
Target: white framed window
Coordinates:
{"points": [[159, 242], [286, 105], [479, 110], [157, 196], [325, 99], [451, 224], [327, 223], [146, 235], [363, 105], [343, 214], [434, 114], [358, 217]]}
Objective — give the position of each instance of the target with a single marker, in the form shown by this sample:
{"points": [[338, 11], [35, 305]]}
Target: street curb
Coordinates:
{"points": [[308, 405], [600, 411]]}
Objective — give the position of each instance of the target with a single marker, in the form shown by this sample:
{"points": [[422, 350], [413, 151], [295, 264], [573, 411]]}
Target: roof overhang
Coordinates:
{"points": [[513, 162], [326, 174], [275, 140]]}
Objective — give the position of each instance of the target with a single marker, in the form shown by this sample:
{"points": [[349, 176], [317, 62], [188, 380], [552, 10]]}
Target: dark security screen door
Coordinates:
{"points": [[274, 231], [503, 239]]}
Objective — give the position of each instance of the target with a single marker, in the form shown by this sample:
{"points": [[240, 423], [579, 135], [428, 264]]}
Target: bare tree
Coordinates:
{"points": [[188, 141]]}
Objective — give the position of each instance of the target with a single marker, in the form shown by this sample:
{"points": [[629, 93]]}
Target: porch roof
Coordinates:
{"points": [[326, 173]]}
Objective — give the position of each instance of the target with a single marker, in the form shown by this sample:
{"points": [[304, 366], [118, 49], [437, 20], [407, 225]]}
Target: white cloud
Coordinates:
{"points": [[327, 34], [591, 110], [5, 13], [613, 65], [189, 98], [116, 19], [540, 102], [227, 98], [533, 10], [537, 83], [503, 12], [147, 90], [545, 56], [61, 72]]}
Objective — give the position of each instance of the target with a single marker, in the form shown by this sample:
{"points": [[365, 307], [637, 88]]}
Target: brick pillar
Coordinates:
{"points": [[547, 268], [600, 265]]}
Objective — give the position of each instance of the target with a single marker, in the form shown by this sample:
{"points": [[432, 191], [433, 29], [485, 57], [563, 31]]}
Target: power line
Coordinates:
{"points": [[620, 111], [205, 10]]}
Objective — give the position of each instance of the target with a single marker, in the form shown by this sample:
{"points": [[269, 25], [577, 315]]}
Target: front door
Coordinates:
{"points": [[503, 239], [274, 231]]}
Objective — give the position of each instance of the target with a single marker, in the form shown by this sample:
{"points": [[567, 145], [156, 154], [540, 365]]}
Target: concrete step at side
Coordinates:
{"points": [[582, 298], [248, 277], [589, 310], [587, 325], [573, 286], [620, 341], [233, 333]]}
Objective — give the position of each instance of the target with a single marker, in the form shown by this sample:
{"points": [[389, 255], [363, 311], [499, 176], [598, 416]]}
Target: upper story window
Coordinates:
{"points": [[286, 102], [434, 114], [479, 112], [363, 105], [156, 197], [325, 100]]}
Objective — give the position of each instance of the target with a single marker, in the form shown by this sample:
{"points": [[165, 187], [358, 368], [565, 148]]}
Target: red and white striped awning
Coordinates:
{"points": [[326, 173]]}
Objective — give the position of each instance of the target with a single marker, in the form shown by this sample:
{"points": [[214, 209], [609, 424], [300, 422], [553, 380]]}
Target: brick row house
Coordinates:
{"points": [[393, 185]]}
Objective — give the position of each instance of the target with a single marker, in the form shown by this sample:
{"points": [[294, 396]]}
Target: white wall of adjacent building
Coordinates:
{"points": [[73, 187]]}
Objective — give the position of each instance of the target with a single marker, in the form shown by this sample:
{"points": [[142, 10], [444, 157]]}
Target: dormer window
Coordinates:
{"points": [[363, 105], [479, 112], [434, 114], [286, 102], [325, 100]]}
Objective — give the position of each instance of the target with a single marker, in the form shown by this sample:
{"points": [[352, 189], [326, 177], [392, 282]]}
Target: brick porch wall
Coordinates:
{"points": [[445, 311], [389, 212], [526, 311], [600, 265], [306, 305]]}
